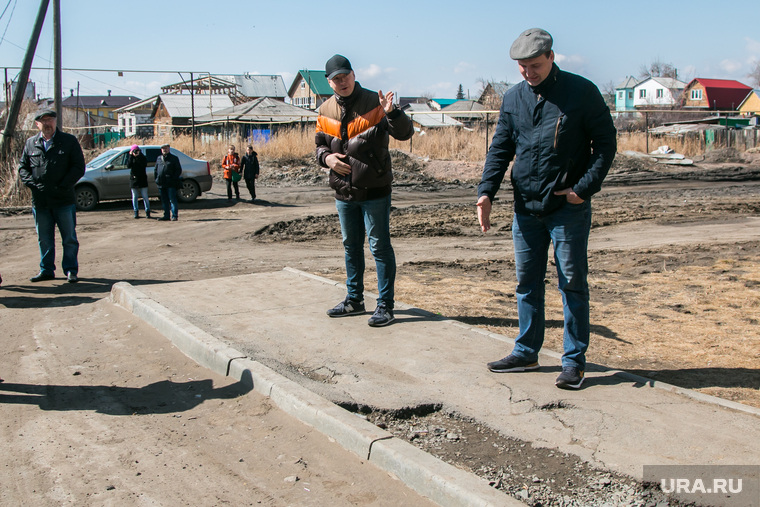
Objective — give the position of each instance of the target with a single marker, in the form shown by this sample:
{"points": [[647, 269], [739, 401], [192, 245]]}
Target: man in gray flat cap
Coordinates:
{"points": [[557, 128], [50, 165]]}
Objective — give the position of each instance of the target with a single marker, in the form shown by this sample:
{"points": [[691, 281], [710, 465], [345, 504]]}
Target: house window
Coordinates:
{"points": [[696, 95], [621, 95], [630, 95], [642, 93], [660, 93], [303, 85]]}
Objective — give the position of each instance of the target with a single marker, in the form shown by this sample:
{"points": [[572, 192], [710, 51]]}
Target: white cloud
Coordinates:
{"points": [[730, 66], [752, 47], [373, 70], [572, 63], [463, 67]]}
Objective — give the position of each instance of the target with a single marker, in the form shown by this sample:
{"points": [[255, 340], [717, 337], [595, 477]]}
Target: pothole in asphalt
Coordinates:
{"points": [[323, 374], [534, 475]]}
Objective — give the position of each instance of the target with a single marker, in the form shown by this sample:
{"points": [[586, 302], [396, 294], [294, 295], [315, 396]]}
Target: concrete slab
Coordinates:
{"points": [[617, 421]]}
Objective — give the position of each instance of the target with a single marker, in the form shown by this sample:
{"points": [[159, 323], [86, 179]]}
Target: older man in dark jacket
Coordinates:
{"points": [[50, 165], [168, 176], [560, 133], [352, 138]]}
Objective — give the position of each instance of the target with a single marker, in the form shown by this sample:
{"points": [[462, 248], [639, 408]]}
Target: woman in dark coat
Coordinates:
{"points": [[138, 179], [250, 165]]}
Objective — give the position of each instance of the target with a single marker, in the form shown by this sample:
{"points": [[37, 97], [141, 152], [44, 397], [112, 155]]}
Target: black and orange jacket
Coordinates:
{"points": [[358, 126]]}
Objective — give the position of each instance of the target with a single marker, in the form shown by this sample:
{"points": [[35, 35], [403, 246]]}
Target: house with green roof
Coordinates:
{"points": [[309, 89]]}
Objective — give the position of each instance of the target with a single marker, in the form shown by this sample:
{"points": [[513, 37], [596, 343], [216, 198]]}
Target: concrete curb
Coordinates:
{"points": [[427, 475], [642, 381]]}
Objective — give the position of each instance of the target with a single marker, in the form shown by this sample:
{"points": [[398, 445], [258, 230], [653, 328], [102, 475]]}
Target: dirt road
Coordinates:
{"points": [[100, 409]]}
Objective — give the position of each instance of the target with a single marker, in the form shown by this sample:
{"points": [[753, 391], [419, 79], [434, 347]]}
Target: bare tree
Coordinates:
{"points": [[754, 75], [658, 69], [609, 91]]}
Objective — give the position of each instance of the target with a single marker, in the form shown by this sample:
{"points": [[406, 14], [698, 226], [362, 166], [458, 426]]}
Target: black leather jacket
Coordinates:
{"points": [[51, 174]]}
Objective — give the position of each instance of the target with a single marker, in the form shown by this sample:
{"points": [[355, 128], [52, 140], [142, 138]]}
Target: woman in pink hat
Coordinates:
{"points": [[138, 179]]}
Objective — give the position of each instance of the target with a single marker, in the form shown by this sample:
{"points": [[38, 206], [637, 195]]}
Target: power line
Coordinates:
{"points": [[10, 17]]}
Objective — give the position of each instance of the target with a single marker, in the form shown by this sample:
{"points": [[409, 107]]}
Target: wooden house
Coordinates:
{"points": [[751, 104], [715, 94], [309, 89]]}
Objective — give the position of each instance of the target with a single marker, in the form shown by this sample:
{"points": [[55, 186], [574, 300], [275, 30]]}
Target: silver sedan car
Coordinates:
{"points": [[107, 177]]}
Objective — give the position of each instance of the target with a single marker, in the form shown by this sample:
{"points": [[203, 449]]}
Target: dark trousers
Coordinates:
{"points": [[231, 184], [251, 184]]}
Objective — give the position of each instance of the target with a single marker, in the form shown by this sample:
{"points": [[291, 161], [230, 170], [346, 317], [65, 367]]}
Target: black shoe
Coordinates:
{"points": [[137, 215], [512, 364], [72, 277], [41, 277], [147, 214], [346, 308], [174, 219], [570, 378], [382, 316], [163, 219]]}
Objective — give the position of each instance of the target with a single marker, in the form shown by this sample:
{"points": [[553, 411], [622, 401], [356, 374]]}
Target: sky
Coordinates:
{"points": [[409, 47]]}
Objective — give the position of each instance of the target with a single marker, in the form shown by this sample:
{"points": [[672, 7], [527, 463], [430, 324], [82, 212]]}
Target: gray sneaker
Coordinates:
{"points": [[382, 316], [346, 308], [570, 378], [512, 364]]}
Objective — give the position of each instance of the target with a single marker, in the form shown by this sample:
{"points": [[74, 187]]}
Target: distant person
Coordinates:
{"points": [[138, 179], [557, 128], [353, 130], [250, 165], [50, 165], [231, 166], [167, 173]]}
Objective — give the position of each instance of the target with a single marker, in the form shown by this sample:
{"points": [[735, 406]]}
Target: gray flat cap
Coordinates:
{"points": [[530, 44], [44, 112]]}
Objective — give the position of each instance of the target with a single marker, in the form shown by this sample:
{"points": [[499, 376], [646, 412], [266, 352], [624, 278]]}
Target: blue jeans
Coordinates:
{"points": [[568, 230], [136, 194], [372, 218], [169, 201], [45, 220]]}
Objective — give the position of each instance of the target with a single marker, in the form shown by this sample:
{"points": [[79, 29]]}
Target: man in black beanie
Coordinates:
{"points": [[353, 131]]}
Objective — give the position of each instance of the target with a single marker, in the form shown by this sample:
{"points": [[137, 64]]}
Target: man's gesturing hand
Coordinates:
{"points": [[386, 100]]}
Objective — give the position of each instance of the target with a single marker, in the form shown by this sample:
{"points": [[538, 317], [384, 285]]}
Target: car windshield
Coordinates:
{"points": [[101, 159]]}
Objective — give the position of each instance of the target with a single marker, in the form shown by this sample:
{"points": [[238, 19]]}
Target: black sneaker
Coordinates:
{"points": [[570, 378], [42, 276], [72, 277], [512, 364], [346, 308], [382, 316]]}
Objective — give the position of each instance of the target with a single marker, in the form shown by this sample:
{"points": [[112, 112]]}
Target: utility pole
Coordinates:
{"points": [[57, 60], [23, 78], [192, 109]]}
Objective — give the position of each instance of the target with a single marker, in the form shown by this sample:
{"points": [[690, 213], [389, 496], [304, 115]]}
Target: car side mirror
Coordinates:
{"points": [[109, 167]]}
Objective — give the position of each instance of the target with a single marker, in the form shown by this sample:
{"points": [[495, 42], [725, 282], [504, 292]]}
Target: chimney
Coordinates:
{"points": [[71, 90], [109, 93]]}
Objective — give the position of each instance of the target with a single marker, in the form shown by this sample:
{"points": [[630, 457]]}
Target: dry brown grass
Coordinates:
{"points": [[448, 144], [637, 141]]}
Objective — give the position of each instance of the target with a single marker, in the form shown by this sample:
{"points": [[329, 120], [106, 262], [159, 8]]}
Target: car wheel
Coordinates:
{"points": [[86, 198], [189, 191]]}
